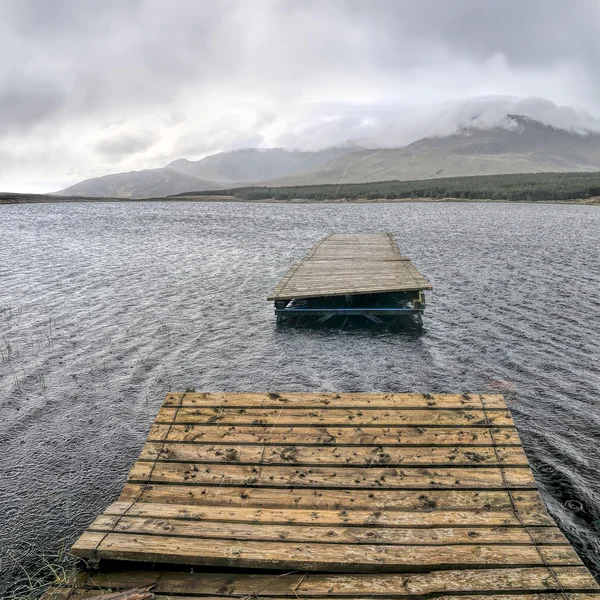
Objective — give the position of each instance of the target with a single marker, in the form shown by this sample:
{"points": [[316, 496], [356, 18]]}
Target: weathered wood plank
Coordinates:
{"points": [[310, 436], [319, 557], [375, 517], [332, 417], [356, 456], [528, 503], [347, 477], [352, 400], [183, 526], [84, 594], [308, 585], [64, 593]]}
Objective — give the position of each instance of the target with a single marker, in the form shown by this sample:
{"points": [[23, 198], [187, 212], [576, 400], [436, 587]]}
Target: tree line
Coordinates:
{"points": [[530, 187]]}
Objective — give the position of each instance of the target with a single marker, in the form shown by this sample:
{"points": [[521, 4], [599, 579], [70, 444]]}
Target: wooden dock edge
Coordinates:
{"points": [[343, 495], [349, 264]]}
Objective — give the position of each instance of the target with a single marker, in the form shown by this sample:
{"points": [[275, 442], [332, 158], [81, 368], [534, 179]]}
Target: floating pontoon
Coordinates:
{"points": [[350, 275]]}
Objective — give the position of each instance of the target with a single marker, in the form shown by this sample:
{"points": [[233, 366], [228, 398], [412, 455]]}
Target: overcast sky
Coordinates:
{"points": [[88, 88]]}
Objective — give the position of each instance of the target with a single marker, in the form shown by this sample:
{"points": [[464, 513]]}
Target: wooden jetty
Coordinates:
{"points": [[325, 495], [351, 267]]}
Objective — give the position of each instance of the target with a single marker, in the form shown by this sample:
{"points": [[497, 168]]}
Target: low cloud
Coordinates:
{"points": [[125, 145], [397, 125], [26, 102]]}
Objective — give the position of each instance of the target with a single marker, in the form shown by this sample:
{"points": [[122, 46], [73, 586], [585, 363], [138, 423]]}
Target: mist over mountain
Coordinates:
{"points": [[221, 170], [511, 144], [255, 164], [519, 145]]}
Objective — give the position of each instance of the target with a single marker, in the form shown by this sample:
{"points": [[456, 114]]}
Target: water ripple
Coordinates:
{"points": [[105, 307]]}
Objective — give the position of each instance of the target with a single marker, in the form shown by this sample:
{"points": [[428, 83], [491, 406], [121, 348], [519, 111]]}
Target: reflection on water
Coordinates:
{"points": [[386, 312], [105, 307], [404, 325]]}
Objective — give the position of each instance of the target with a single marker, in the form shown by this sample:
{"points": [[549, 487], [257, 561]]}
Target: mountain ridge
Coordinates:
{"points": [[240, 167], [520, 145], [528, 146]]}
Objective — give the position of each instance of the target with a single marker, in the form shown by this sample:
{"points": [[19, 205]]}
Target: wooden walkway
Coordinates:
{"points": [[338, 495], [350, 264]]}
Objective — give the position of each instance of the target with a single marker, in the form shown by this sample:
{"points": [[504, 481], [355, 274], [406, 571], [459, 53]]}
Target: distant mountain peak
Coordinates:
{"points": [[514, 144], [251, 165], [516, 122], [217, 171]]}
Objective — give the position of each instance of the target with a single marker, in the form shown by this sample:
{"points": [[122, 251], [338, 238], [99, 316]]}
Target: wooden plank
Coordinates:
{"points": [[372, 501], [346, 517], [328, 417], [340, 271], [282, 514], [355, 456], [344, 289], [184, 526], [334, 400], [310, 585], [85, 594], [309, 556], [309, 436], [366, 263], [64, 593], [332, 477], [392, 272], [371, 269]]}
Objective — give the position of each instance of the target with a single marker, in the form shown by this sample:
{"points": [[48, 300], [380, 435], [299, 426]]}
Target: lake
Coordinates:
{"points": [[104, 307]]}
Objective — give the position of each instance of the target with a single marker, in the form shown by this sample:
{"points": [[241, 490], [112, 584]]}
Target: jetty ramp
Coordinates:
{"points": [[330, 495]]}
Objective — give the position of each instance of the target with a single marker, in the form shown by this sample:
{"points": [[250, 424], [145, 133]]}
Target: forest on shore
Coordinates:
{"points": [[524, 187]]}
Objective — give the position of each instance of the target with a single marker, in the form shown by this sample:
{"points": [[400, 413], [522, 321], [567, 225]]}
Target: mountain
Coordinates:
{"points": [[149, 183], [251, 165], [522, 146], [214, 172]]}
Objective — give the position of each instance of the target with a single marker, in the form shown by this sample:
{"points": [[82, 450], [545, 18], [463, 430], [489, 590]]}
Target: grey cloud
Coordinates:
{"points": [[24, 103], [398, 125], [223, 134], [307, 73], [194, 144], [118, 146], [535, 32], [123, 55], [113, 55], [492, 111]]}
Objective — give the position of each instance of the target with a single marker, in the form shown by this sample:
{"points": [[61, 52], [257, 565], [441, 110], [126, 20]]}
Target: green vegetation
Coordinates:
{"points": [[531, 187], [31, 580]]}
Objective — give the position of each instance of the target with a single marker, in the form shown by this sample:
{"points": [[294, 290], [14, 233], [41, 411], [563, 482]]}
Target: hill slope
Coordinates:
{"points": [[255, 164], [212, 172], [148, 183], [527, 146], [523, 146]]}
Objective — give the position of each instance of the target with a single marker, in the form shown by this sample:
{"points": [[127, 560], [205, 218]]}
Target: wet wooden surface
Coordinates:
{"points": [[537, 583], [348, 264], [337, 512]]}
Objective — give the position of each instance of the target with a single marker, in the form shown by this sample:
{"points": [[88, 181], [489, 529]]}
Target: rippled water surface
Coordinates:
{"points": [[106, 307]]}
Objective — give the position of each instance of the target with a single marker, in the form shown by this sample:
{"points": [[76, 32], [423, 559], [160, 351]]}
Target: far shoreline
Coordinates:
{"points": [[12, 199]]}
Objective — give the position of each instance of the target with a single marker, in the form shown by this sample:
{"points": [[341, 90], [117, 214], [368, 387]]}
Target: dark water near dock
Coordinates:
{"points": [[106, 307]]}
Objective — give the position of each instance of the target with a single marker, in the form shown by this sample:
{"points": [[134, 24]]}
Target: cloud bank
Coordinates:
{"points": [[92, 88]]}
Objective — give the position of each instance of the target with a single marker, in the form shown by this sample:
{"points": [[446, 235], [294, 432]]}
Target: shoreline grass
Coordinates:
{"points": [[28, 577]]}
